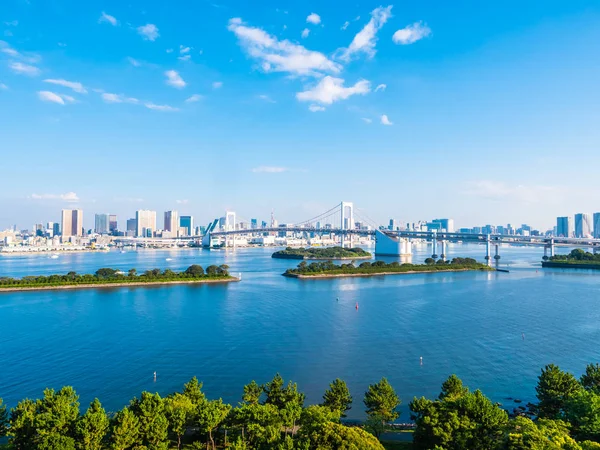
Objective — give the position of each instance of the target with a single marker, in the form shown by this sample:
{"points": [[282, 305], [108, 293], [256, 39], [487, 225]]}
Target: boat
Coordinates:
{"points": [[54, 256]]}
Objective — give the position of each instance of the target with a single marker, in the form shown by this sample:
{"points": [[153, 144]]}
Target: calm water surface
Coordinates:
{"points": [[108, 342]]}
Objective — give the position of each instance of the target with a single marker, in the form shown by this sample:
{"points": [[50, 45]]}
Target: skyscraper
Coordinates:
{"points": [[564, 227], [112, 223], [597, 225], [254, 224], [145, 223], [101, 223], [583, 225], [187, 222], [171, 222], [132, 226], [72, 222]]}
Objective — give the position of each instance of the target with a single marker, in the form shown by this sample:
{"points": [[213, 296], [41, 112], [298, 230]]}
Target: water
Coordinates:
{"points": [[108, 342]]}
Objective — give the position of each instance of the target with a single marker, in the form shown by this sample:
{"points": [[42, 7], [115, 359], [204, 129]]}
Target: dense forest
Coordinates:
{"points": [[322, 253], [274, 416], [576, 256]]}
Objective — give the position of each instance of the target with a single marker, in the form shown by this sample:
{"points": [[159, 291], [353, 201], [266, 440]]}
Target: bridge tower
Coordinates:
{"points": [[347, 220], [230, 226]]}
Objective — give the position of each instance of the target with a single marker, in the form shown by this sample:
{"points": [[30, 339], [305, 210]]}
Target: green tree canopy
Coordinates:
{"points": [[582, 411], [211, 415], [554, 388], [195, 270], [3, 419], [106, 272], [179, 411], [334, 436], [92, 427], [125, 430], [150, 411], [252, 393], [590, 380], [337, 397], [193, 390], [523, 434], [381, 401]]}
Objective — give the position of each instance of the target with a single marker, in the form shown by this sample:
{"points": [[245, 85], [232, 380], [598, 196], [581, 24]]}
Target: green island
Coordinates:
{"points": [[322, 253], [576, 259], [107, 277], [328, 269], [274, 416]]}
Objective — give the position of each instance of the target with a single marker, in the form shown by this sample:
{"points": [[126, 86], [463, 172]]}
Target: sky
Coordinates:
{"points": [[485, 112]]}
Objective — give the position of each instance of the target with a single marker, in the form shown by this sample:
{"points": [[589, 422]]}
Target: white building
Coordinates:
{"points": [[145, 223], [72, 222], [583, 225], [171, 223]]}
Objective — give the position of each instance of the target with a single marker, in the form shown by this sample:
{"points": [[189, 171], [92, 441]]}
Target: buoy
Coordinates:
{"points": [[357, 306], [523, 336], [337, 299], [421, 360], [155, 375]]}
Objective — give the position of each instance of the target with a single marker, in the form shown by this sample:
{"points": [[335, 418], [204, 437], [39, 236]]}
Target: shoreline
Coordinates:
{"points": [[567, 265], [409, 272], [110, 285], [308, 258]]}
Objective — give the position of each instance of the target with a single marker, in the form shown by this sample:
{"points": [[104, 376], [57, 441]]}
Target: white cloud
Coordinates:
{"points": [[182, 202], [107, 18], [149, 32], [74, 85], [385, 120], [280, 56], [411, 33], [30, 58], [134, 62], [366, 120], [365, 39], [314, 19], [500, 191], [331, 89], [266, 98], [183, 49], [165, 108], [118, 98], [169, 50], [3, 87], [174, 79], [24, 69], [52, 97], [346, 24], [194, 98], [68, 197], [62, 44], [269, 169], [184, 57], [305, 33], [12, 23], [217, 84], [380, 87], [315, 108]]}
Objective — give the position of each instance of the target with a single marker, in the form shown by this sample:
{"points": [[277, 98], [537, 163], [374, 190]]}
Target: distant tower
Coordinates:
{"points": [[272, 219]]}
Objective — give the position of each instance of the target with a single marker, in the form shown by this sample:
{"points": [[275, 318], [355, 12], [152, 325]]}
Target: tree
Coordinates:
{"points": [[252, 393], [193, 390], [150, 411], [452, 388], [582, 411], [195, 270], [56, 418], [429, 261], [554, 388], [125, 429], [92, 427], [338, 397], [590, 380], [210, 416], [3, 419], [179, 410], [105, 273], [522, 434], [261, 424], [132, 273], [212, 270], [334, 436], [381, 401], [314, 417], [22, 430]]}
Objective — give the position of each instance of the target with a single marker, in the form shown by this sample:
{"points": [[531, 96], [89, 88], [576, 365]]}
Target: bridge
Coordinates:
{"points": [[340, 221]]}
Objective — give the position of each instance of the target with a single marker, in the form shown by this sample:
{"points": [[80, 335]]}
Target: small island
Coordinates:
{"points": [[322, 253], [577, 259], [328, 269], [107, 277]]}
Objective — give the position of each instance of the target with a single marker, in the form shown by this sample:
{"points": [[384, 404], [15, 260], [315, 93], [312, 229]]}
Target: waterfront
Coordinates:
{"points": [[107, 343]]}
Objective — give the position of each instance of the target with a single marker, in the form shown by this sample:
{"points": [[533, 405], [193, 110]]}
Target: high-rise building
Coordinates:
{"points": [[171, 222], [72, 222], [263, 224], [597, 225], [187, 222], [55, 229], [101, 223], [145, 223], [583, 225], [132, 225], [112, 223], [254, 224], [564, 227], [392, 226]]}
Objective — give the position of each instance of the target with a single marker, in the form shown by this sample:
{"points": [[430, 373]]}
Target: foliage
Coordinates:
{"points": [[577, 256], [3, 419], [322, 253], [381, 401], [210, 415], [337, 397], [554, 388], [125, 429], [252, 393], [153, 424], [590, 380], [92, 427], [377, 267], [544, 434], [334, 436], [582, 411], [179, 411]]}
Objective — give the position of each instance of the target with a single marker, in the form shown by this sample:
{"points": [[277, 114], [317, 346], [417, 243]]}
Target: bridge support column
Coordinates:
{"points": [[443, 255], [434, 245], [497, 255], [488, 245], [545, 252], [552, 247]]}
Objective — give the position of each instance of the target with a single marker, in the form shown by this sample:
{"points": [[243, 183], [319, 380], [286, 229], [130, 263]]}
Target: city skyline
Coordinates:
{"points": [[471, 111]]}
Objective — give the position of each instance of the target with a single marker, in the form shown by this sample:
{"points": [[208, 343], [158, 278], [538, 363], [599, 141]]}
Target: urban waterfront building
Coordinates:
{"points": [[131, 227], [112, 223], [392, 226], [583, 225], [145, 221], [254, 224], [564, 226], [596, 221], [171, 223], [101, 223], [72, 222], [187, 222]]}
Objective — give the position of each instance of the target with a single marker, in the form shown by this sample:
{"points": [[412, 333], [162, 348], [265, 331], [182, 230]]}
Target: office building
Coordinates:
{"points": [[583, 225], [132, 225], [72, 222], [55, 228], [101, 223], [263, 224], [392, 226], [171, 222], [145, 221], [441, 225], [596, 220], [112, 224], [187, 222], [564, 227], [254, 224]]}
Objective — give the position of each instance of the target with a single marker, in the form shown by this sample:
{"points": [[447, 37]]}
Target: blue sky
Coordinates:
{"points": [[486, 112]]}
